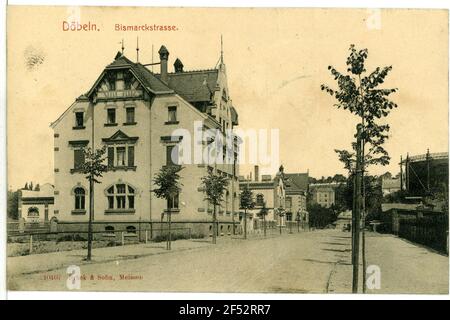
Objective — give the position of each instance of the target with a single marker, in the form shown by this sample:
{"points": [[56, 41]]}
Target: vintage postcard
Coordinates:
{"points": [[228, 150]]}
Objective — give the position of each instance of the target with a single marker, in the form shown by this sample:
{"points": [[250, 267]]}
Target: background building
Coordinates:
{"points": [[390, 185], [296, 193], [36, 206], [324, 194]]}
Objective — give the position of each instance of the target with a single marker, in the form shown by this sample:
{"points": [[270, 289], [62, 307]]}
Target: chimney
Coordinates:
{"points": [[256, 173], [163, 56], [178, 65]]}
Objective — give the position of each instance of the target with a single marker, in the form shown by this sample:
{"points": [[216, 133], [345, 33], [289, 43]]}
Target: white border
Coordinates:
{"points": [[433, 4]]}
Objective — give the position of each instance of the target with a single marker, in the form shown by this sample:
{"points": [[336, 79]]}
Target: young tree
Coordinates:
{"points": [[361, 95], [281, 214], [215, 186], [246, 203], [169, 186], [93, 167], [263, 213], [30, 186]]}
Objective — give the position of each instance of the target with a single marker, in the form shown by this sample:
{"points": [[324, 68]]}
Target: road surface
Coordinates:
{"points": [[306, 262]]}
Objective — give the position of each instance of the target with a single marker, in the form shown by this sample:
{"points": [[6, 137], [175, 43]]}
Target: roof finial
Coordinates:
{"points": [[123, 48], [137, 49], [221, 50]]}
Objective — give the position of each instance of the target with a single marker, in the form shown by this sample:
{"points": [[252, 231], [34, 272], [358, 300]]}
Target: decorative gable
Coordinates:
{"points": [[120, 137]]}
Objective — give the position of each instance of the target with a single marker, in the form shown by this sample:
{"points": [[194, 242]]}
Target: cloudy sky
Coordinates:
{"points": [[276, 60]]}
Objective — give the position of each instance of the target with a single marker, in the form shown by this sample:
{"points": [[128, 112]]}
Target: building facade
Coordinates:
{"points": [[390, 185], [324, 193], [285, 193], [36, 206], [146, 121], [296, 195]]}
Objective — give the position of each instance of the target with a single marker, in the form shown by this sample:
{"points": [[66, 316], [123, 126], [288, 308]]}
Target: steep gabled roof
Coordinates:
{"points": [[296, 182], [194, 86], [147, 79], [234, 116]]}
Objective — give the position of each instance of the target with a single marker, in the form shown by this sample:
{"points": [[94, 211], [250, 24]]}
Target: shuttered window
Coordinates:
{"points": [[121, 156], [110, 156], [130, 156], [78, 158]]}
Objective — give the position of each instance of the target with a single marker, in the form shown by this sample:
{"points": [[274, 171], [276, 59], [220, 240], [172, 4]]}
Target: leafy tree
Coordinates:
{"points": [[30, 186], [263, 213], [26, 186], [320, 217], [246, 204], [361, 95], [37, 187], [215, 187], [168, 182], [93, 167], [13, 205]]}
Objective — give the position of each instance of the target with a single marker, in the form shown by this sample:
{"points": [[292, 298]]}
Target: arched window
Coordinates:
{"points": [[131, 229], [120, 196], [33, 212], [109, 229], [79, 198], [260, 200]]}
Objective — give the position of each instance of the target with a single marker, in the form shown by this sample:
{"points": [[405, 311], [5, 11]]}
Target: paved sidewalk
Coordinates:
{"points": [[56, 260], [405, 267]]}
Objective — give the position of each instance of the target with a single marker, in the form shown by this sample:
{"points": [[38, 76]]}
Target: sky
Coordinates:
{"points": [[276, 60]]}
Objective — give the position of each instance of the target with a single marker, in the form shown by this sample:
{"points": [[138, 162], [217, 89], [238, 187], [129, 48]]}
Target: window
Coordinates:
{"points": [[288, 202], [79, 198], [131, 229], [120, 156], [120, 151], [79, 119], [78, 158], [120, 196], [130, 115], [109, 229], [260, 200], [172, 202], [172, 114], [111, 116], [33, 212], [172, 155]]}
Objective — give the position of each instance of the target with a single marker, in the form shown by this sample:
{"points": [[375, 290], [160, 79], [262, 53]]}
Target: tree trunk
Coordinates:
{"points": [[91, 218], [245, 224], [232, 221], [280, 223], [264, 221], [169, 237], [357, 213], [214, 236]]}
